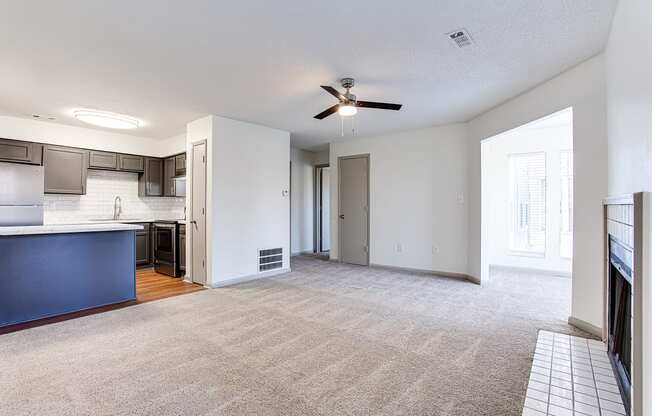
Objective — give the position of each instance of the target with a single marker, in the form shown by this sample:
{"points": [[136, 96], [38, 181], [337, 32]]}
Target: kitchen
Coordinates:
{"points": [[58, 190]]}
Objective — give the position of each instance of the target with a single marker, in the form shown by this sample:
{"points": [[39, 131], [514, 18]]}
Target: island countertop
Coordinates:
{"points": [[66, 229]]}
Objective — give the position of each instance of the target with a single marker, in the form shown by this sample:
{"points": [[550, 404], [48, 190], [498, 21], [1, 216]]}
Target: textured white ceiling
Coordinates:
{"points": [[169, 62]]}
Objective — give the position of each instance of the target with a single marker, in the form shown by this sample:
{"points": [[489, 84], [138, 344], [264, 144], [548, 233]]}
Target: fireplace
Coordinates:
{"points": [[619, 310], [623, 296]]}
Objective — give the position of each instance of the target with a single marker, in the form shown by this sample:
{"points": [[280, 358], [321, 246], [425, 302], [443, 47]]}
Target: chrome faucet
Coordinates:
{"points": [[117, 208]]}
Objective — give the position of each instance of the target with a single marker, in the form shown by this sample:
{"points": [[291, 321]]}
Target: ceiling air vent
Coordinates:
{"points": [[461, 38], [270, 259]]}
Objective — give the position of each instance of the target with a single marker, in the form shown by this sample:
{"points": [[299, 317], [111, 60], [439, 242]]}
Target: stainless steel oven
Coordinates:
{"points": [[165, 248]]}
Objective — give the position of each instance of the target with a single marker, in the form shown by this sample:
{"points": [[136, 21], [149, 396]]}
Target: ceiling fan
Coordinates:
{"points": [[348, 103]]}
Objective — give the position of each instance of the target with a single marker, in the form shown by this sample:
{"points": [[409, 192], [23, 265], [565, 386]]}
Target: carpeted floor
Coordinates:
{"points": [[326, 339]]}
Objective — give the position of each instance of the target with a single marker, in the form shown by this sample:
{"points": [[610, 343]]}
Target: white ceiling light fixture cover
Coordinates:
{"points": [[347, 110], [106, 119]]}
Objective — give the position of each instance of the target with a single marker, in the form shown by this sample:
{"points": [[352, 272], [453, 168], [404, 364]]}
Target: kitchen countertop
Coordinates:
{"points": [[125, 221], [68, 228]]}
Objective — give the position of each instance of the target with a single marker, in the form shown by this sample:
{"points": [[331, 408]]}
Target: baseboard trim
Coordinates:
{"points": [[531, 270], [235, 281], [302, 253], [460, 276], [585, 326]]}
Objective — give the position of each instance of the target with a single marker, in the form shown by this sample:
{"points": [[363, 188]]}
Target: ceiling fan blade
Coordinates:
{"points": [[334, 92], [382, 106], [327, 112]]}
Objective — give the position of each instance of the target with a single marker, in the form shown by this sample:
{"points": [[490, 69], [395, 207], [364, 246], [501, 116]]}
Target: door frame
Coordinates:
{"points": [[316, 214], [339, 204], [192, 247]]}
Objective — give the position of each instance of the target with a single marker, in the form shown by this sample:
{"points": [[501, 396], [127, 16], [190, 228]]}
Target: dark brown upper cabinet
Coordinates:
{"points": [[150, 183], [65, 170], [131, 163], [102, 160], [180, 164], [169, 171], [21, 152]]}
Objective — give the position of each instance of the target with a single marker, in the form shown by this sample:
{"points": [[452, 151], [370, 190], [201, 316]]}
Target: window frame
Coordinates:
{"points": [[513, 219]]}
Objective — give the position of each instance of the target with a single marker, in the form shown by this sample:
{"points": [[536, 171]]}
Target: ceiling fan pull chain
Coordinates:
{"points": [[342, 124]]}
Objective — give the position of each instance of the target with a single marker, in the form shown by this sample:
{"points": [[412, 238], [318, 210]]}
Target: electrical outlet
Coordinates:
{"points": [[460, 198], [399, 248], [435, 250]]}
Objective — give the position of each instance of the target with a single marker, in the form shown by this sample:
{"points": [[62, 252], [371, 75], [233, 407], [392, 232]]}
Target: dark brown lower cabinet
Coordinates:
{"points": [[182, 248], [143, 245]]}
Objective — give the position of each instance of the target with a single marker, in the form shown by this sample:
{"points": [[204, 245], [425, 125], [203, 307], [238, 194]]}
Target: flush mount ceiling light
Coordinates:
{"points": [[106, 119]]}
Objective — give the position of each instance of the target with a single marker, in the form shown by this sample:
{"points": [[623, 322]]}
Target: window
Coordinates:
{"points": [[566, 204], [528, 201]]}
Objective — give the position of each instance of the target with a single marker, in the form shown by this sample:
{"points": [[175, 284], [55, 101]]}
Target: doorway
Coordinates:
{"points": [[527, 208], [198, 213], [353, 216], [322, 210]]}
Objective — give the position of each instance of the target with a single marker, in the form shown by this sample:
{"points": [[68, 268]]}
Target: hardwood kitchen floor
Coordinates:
{"points": [[153, 286], [150, 286]]}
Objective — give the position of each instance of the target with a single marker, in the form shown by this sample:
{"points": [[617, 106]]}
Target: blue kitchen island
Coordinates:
{"points": [[52, 270]]}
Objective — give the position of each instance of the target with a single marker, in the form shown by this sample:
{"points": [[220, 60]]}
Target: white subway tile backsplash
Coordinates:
{"points": [[101, 189]]}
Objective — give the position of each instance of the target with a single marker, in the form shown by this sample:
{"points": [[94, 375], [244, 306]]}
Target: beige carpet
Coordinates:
{"points": [[325, 339]]}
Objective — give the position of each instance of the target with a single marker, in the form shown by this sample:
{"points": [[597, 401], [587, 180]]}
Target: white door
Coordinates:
{"points": [[354, 210], [198, 215]]}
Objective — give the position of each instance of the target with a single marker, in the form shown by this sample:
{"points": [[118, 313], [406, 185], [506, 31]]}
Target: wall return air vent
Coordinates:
{"points": [[461, 38], [270, 259]]}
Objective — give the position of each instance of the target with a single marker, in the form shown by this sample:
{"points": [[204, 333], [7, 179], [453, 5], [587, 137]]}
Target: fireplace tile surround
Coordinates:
{"points": [[622, 299], [583, 377]]}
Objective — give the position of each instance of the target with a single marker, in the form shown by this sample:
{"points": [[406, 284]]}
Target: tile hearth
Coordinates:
{"points": [[571, 376]]}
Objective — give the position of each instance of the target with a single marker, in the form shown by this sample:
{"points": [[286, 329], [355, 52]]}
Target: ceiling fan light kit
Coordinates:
{"points": [[348, 103], [347, 110]]}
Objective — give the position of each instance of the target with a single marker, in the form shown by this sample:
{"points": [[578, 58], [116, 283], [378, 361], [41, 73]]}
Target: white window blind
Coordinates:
{"points": [[528, 201], [566, 204]]}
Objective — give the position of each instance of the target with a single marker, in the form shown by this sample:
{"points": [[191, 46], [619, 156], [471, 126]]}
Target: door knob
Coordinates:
{"points": [[341, 216]]}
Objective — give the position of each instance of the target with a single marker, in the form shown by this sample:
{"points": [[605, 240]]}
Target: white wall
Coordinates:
{"points": [[417, 191], [551, 135], [172, 145], [60, 134], [629, 112], [302, 200], [584, 89], [248, 171], [323, 157]]}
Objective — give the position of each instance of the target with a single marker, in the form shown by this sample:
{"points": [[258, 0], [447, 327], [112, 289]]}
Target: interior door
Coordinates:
{"points": [[354, 210], [325, 208], [198, 218]]}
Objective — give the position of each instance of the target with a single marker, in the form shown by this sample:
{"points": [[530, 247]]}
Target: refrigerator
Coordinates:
{"points": [[21, 194]]}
